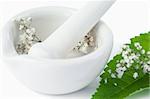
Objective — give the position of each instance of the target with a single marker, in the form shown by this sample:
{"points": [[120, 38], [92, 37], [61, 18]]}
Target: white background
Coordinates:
{"points": [[126, 18]]}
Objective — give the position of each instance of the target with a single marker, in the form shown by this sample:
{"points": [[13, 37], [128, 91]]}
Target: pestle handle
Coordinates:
{"points": [[75, 28]]}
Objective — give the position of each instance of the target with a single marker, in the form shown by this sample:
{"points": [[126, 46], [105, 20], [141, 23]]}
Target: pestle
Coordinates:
{"points": [[73, 30]]}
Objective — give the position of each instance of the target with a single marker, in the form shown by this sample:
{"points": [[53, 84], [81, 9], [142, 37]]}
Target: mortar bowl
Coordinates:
{"points": [[54, 76]]}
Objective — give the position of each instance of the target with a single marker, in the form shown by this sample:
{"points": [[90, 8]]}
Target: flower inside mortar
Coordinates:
{"points": [[28, 37]]}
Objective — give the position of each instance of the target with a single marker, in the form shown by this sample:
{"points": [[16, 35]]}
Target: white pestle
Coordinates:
{"points": [[60, 42]]}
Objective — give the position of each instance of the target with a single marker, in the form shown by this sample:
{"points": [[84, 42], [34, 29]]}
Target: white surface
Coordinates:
{"points": [[126, 19]]}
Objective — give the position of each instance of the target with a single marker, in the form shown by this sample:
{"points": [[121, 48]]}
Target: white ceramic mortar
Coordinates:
{"points": [[54, 76]]}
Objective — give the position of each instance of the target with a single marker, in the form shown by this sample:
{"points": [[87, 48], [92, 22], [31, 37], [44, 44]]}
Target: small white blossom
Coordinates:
{"points": [[148, 52], [117, 61], [122, 61], [83, 49], [91, 39], [105, 80], [29, 19], [28, 31], [21, 27], [131, 61], [146, 68], [125, 47], [88, 43], [106, 66], [109, 71], [148, 62], [33, 30], [124, 53], [129, 65], [118, 65], [115, 84], [127, 60], [142, 51], [138, 55], [120, 71], [135, 75], [113, 75], [137, 45], [136, 67]]}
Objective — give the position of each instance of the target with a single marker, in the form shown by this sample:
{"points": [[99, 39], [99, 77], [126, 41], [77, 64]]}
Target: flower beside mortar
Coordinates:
{"points": [[127, 72]]}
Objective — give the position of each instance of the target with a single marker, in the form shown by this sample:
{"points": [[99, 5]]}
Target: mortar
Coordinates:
{"points": [[54, 76]]}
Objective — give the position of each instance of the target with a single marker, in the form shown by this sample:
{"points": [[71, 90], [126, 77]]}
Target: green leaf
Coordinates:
{"points": [[134, 61]]}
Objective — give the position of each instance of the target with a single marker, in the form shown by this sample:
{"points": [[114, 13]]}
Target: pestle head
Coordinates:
{"points": [[38, 50]]}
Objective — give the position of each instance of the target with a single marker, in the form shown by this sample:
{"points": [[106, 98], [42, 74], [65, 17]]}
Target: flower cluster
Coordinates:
{"points": [[145, 64], [28, 35], [129, 58], [88, 43]]}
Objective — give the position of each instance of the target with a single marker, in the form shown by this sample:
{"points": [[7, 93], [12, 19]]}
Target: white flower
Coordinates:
{"points": [[33, 30], [106, 66], [91, 39], [146, 68], [83, 49], [137, 45], [86, 45], [135, 75], [28, 31], [21, 27], [113, 75], [148, 62], [124, 53], [136, 67], [109, 71], [118, 65], [125, 47], [30, 38], [117, 61], [120, 71], [92, 43], [115, 84], [29, 19], [127, 60], [105, 80], [79, 43], [122, 61], [138, 55], [131, 61], [128, 65], [148, 52], [142, 51]]}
